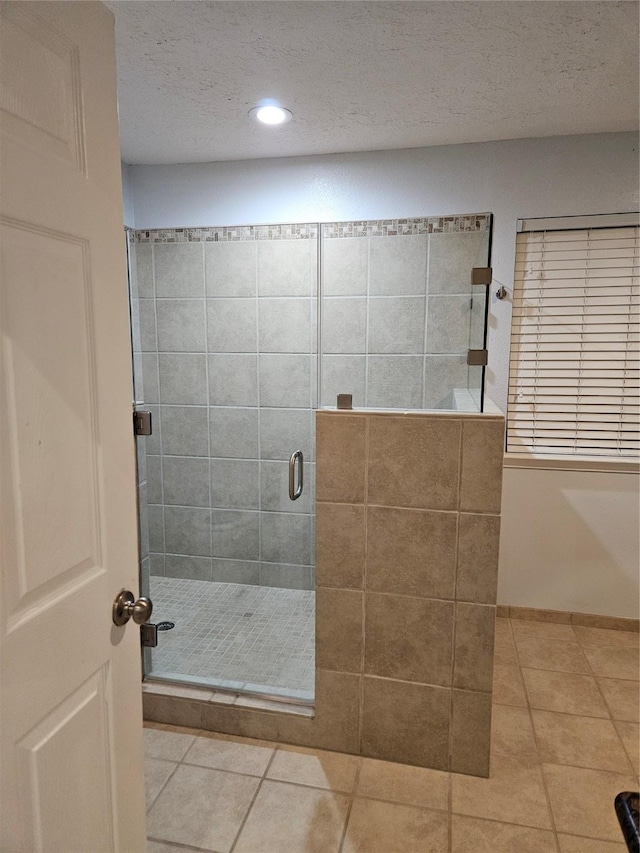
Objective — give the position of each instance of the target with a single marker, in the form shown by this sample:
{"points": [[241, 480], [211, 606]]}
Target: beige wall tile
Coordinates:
{"points": [[488, 836], [564, 692], [340, 537], [337, 711], [340, 457], [622, 697], [411, 552], [542, 653], [471, 733], [217, 805], [252, 722], [395, 447], [172, 710], [613, 661], [582, 800], [514, 793], [405, 722], [478, 545], [579, 741], [314, 767], [474, 638], [482, 455], [377, 827], [339, 629], [508, 687], [417, 786], [292, 817], [503, 611], [408, 638], [512, 734]]}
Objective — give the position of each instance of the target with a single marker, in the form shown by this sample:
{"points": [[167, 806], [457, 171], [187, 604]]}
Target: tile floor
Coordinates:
{"points": [[565, 742], [236, 635]]}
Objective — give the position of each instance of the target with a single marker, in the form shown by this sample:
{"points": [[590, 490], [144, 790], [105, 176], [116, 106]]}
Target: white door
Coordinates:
{"points": [[71, 719]]}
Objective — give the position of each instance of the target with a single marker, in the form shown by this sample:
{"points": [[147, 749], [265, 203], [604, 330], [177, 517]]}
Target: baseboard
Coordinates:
{"points": [[567, 617]]}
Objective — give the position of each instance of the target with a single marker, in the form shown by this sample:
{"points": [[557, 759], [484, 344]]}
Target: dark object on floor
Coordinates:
{"points": [[166, 626], [627, 807]]}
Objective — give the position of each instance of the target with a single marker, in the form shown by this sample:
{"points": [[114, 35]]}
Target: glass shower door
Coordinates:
{"points": [[228, 362]]}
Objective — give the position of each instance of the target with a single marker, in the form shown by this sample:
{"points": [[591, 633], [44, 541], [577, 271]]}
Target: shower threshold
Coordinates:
{"points": [[235, 637]]}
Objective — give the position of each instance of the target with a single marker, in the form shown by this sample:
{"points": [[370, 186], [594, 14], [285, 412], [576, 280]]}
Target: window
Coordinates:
{"points": [[573, 373]]}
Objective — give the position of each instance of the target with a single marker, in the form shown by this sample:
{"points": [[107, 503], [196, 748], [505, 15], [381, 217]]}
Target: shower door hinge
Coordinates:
{"points": [[478, 357], [149, 635], [481, 275], [142, 423]]}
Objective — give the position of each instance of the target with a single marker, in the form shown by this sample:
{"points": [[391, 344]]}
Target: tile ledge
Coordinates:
{"points": [[447, 414], [206, 695]]}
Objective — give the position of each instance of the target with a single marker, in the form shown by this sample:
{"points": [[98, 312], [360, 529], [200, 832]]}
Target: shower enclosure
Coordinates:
{"points": [[239, 334]]}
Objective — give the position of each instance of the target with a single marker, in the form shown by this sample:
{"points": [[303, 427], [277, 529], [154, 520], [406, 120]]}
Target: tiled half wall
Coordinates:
{"points": [[408, 518]]}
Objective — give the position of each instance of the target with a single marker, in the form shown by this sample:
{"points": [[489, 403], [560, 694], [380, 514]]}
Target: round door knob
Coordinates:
{"points": [[126, 607]]}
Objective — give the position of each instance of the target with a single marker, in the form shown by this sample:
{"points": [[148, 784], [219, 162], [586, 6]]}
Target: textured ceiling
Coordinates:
{"points": [[362, 76]]}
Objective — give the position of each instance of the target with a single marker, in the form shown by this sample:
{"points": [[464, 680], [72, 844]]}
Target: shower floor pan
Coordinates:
{"points": [[235, 636]]}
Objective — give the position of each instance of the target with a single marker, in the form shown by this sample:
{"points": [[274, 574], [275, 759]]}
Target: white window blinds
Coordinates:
{"points": [[573, 373]]}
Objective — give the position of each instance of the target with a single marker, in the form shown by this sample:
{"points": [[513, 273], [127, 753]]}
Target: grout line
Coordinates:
{"points": [[366, 324], [164, 785], [611, 717], [256, 298], [254, 798], [352, 797], [572, 672], [156, 352], [535, 738], [178, 844], [425, 319], [455, 609], [367, 439], [206, 371]]}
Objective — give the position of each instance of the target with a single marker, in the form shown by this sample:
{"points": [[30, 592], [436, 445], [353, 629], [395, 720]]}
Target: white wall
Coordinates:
{"points": [[513, 179], [569, 541]]}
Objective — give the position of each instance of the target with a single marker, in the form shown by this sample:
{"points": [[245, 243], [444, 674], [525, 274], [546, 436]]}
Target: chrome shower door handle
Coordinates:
{"points": [[296, 463]]}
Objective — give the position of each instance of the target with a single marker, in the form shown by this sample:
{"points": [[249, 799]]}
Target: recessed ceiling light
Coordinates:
{"points": [[271, 115]]}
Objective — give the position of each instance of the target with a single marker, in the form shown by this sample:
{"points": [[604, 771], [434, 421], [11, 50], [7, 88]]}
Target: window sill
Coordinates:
{"points": [[571, 463]]}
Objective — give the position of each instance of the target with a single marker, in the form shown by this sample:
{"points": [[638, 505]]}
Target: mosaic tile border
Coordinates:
{"points": [[309, 231], [229, 234], [402, 227]]}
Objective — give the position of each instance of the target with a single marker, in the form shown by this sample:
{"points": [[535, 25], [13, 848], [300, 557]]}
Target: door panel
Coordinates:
{"points": [[52, 437], [66, 738], [70, 703]]}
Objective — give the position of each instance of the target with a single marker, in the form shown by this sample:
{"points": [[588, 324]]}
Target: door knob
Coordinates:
{"points": [[125, 606]]}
